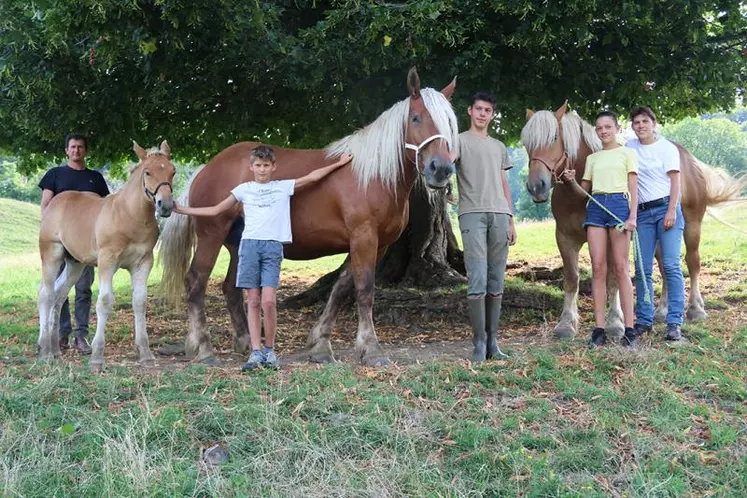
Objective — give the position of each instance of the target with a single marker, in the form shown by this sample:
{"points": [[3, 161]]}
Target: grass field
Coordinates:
{"points": [[555, 420]]}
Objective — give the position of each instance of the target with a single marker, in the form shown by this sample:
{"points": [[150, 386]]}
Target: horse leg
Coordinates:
{"points": [[363, 257], [569, 249], [661, 311], [614, 325], [48, 346], [320, 349], [104, 305], [235, 304], [696, 306], [198, 345], [139, 279], [65, 281]]}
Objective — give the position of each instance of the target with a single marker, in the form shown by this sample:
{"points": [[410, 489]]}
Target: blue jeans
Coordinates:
{"points": [[650, 231], [82, 306]]}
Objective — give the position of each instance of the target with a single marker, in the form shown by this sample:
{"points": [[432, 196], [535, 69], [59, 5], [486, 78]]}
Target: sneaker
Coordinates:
{"points": [[255, 361], [598, 337], [64, 343], [674, 332], [81, 344], [642, 329], [271, 360], [630, 337]]}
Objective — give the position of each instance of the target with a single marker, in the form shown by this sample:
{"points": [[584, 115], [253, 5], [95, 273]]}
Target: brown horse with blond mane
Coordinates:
{"points": [[117, 231], [556, 141], [360, 209]]}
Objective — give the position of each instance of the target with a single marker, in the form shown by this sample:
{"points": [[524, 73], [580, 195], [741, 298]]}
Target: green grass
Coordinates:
{"points": [[556, 419]]}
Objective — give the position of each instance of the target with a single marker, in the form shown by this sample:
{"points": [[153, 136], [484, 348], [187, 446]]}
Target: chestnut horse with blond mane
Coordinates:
{"points": [[360, 209], [117, 231], [556, 141]]}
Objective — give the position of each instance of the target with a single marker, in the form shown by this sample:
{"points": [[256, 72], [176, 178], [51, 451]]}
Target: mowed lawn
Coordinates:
{"points": [[553, 420]]}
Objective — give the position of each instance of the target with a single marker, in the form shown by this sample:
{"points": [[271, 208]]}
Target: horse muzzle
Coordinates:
{"points": [[539, 190], [164, 207], [438, 174]]}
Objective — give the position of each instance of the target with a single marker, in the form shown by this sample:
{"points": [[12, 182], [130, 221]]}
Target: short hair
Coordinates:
{"points": [[607, 114], [76, 136], [484, 96], [262, 152], [644, 109]]}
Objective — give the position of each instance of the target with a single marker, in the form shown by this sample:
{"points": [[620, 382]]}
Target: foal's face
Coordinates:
{"points": [[158, 177]]}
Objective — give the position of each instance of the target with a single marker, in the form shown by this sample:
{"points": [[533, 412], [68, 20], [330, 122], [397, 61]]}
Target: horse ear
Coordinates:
{"points": [[165, 149], [141, 154], [413, 83], [561, 111], [448, 90], [530, 113]]}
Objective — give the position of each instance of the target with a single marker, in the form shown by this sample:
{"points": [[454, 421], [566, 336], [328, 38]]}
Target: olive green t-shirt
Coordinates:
{"points": [[482, 160]]}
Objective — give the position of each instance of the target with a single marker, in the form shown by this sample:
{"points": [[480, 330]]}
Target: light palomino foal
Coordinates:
{"points": [[118, 231]]}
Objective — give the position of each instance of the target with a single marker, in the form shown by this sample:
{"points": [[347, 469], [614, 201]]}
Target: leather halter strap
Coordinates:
{"points": [[152, 194], [560, 165]]}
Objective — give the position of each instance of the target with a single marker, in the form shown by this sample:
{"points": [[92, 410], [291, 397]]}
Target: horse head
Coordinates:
{"points": [[542, 136], [427, 146], [157, 176]]}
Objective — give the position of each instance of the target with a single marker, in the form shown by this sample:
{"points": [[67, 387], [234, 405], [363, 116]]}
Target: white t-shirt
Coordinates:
{"points": [[266, 209], [654, 162]]}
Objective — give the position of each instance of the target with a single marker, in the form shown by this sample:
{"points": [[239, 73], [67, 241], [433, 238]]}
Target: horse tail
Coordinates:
{"points": [[721, 186], [178, 240]]}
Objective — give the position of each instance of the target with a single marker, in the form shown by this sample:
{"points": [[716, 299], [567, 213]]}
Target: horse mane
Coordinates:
{"points": [[153, 151], [378, 148], [541, 132]]}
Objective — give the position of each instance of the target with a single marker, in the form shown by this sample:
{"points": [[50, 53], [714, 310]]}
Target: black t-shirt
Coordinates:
{"points": [[64, 178]]}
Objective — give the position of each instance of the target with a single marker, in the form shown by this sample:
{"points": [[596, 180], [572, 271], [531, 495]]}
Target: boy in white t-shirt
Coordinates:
{"points": [[267, 226]]}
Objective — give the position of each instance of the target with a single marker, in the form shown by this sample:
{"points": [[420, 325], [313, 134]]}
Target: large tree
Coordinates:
{"points": [[206, 73]]}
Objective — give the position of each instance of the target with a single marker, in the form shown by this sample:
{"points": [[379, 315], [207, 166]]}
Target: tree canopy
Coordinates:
{"points": [[207, 73]]}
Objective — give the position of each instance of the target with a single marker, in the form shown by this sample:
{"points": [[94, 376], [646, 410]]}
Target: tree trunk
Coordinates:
{"points": [[425, 255]]}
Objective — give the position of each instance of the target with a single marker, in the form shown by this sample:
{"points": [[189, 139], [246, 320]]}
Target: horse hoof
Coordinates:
{"points": [[147, 363], [564, 333], [95, 367], [696, 315], [377, 362], [322, 358], [212, 361]]}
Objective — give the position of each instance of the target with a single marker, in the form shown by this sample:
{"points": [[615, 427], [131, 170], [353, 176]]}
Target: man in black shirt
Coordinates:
{"points": [[74, 176]]}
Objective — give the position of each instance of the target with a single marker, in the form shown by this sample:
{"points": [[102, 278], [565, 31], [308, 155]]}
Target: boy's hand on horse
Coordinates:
{"points": [[345, 158]]}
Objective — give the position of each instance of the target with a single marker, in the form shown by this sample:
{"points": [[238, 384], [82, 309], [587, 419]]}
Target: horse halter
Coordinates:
{"points": [[556, 169], [152, 195], [418, 148]]}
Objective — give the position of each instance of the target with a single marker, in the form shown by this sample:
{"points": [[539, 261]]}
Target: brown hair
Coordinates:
{"points": [[637, 111], [262, 152]]}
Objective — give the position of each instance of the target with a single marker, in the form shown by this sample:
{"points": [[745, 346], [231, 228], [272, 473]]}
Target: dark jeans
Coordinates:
{"points": [[82, 306]]}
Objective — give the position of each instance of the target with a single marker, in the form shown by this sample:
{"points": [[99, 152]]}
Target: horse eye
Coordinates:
{"points": [[416, 119], [147, 173]]}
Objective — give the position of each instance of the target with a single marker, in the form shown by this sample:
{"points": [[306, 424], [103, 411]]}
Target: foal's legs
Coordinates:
{"points": [[198, 345], [139, 277], [696, 306], [52, 293], [235, 304], [569, 248], [320, 349], [103, 307]]}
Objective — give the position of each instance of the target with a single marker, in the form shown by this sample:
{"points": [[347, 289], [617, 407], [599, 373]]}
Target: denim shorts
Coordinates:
{"points": [[259, 264], [616, 203]]}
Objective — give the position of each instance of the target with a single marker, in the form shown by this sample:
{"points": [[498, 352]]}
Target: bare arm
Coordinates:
{"points": [[222, 206], [630, 225], [320, 173], [509, 200], [46, 199], [674, 198]]}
